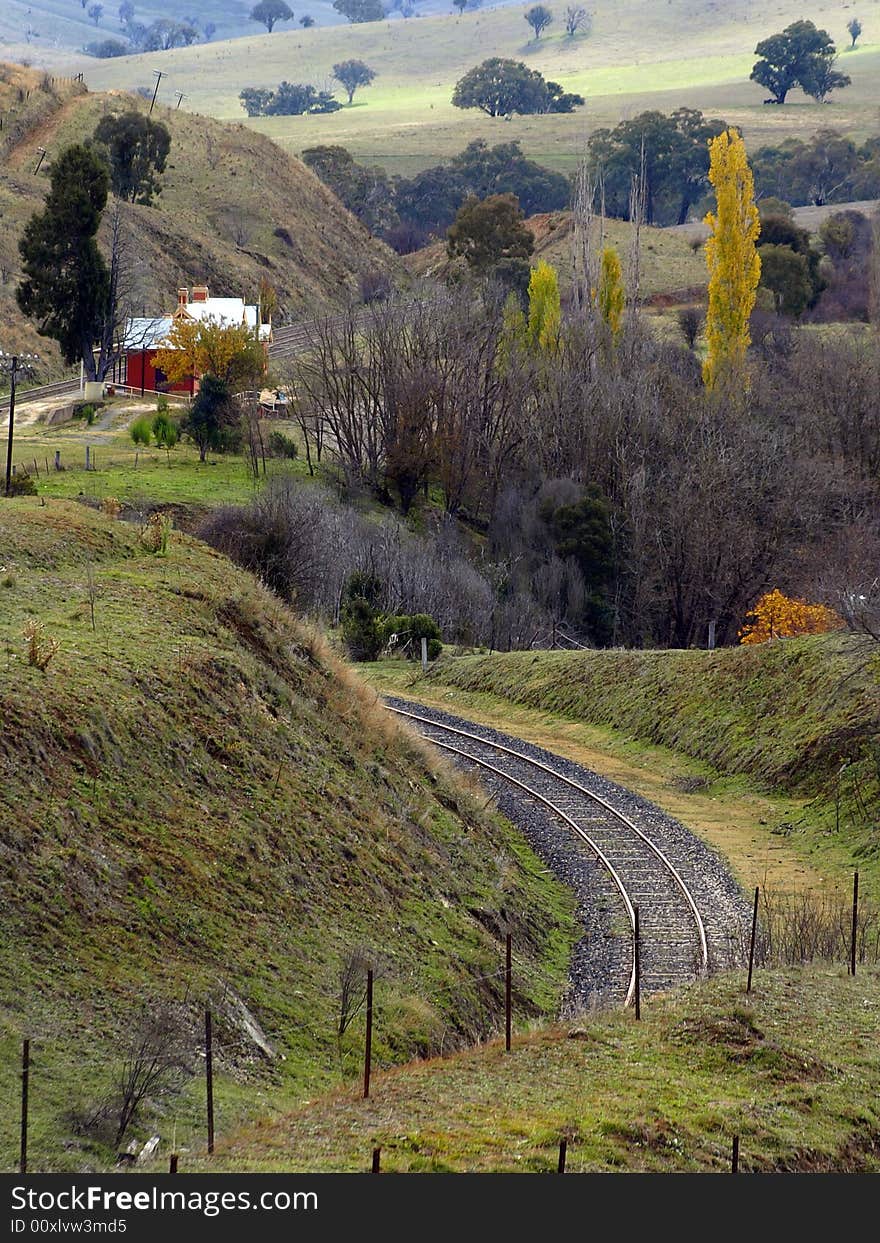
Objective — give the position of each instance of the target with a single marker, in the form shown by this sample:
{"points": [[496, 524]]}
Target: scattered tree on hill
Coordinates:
{"points": [[288, 99], [95, 11], [66, 286], [430, 199], [366, 192], [539, 18], [306, 20], [268, 12], [254, 100], [106, 49], [611, 295], [576, 19], [801, 55], [828, 168], [796, 286], [669, 154], [824, 79], [137, 149], [352, 74], [777, 616], [732, 260], [461, 5], [359, 11], [209, 29], [854, 26], [487, 232], [501, 87], [786, 274], [126, 12]]}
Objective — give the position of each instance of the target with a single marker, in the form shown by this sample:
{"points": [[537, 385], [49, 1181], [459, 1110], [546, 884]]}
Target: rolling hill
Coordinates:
{"points": [[686, 52], [234, 208], [200, 807]]}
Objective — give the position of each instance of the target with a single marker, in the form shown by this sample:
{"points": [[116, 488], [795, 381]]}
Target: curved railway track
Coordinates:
{"points": [[674, 901]]}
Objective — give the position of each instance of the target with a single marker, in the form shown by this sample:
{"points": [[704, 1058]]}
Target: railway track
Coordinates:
{"points": [[23, 395], [686, 913]]}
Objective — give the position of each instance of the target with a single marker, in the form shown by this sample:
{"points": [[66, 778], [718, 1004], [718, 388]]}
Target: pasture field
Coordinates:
{"points": [[637, 56]]}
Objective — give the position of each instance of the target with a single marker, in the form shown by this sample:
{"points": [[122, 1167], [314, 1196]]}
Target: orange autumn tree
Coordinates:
{"points": [[777, 616], [231, 352]]}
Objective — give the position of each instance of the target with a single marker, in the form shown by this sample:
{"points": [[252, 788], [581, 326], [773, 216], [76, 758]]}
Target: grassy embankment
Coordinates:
{"points": [[636, 57], [744, 745], [199, 806], [794, 1070]]}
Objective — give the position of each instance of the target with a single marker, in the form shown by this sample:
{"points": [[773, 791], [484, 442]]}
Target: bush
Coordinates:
{"points": [[282, 446], [141, 430], [165, 431], [375, 287], [403, 633], [22, 485], [361, 632], [85, 410]]}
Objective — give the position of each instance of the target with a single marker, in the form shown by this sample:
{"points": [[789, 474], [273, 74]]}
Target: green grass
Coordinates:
{"points": [[197, 799], [132, 473], [794, 1070], [637, 56], [768, 728]]}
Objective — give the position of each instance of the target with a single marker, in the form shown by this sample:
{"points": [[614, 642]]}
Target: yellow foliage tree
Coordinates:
{"points": [[777, 616], [205, 347], [732, 258], [610, 296], [545, 312]]}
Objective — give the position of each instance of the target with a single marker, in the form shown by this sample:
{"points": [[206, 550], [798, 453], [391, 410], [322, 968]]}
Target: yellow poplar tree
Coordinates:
{"points": [[610, 296], [732, 258], [545, 312]]}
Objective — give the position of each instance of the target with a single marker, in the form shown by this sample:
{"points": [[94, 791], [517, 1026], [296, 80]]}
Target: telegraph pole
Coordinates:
{"points": [[13, 365], [180, 98], [160, 74]]}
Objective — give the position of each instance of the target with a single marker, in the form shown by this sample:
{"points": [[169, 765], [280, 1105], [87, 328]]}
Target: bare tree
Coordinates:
{"points": [[155, 1058], [576, 19]]}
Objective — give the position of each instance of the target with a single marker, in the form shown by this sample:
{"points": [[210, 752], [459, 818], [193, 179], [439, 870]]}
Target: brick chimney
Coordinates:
{"points": [[200, 293], [182, 297]]}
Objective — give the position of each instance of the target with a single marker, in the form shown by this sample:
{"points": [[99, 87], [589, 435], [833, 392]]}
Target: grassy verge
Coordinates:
{"points": [[794, 1070], [201, 807]]}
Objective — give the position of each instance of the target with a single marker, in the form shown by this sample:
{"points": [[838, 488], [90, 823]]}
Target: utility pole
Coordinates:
{"points": [[180, 97], [160, 74], [14, 365], [41, 151]]}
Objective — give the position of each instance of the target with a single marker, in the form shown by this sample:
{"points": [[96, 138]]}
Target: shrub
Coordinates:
{"points": [[40, 646], [282, 446], [361, 632], [403, 633], [141, 430], [165, 431], [22, 485], [85, 410]]}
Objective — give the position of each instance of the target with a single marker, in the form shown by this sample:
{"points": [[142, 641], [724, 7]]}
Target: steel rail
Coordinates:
{"points": [[581, 832], [596, 798]]}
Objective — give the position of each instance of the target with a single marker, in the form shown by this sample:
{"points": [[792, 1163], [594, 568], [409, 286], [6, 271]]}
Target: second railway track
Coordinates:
{"points": [[691, 913]]}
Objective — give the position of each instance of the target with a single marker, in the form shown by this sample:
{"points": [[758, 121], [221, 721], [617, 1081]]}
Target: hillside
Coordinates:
{"points": [[637, 56], [669, 264], [234, 208], [200, 807], [794, 1071]]}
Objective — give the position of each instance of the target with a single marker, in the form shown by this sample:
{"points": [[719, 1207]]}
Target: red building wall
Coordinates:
{"points": [[141, 373]]}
